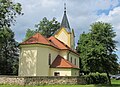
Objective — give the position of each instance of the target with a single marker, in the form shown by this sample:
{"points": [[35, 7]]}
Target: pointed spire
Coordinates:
{"points": [[65, 22], [64, 8]]}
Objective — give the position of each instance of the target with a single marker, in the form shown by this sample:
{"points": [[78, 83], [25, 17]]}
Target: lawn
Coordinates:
{"points": [[115, 83]]}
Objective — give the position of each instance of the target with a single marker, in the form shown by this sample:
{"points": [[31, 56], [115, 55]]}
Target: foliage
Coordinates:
{"points": [[29, 33], [96, 78], [8, 53], [46, 27], [8, 46], [82, 49], [8, 12], [97, 49]]}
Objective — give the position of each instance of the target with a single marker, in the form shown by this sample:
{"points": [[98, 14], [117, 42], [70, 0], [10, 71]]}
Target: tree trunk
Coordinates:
{"points": [[109, 80]]}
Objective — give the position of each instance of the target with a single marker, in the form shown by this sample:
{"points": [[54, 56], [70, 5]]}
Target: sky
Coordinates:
{"points": [[81, 14]]}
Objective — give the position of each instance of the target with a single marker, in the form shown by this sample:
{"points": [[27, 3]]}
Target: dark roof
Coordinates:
{"points": [[65, 22], [60, 62]]}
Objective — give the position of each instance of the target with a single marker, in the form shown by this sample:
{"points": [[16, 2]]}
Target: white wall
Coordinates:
{"points": [[74, 56], [27, 61], [34, 60], [43, 59], [63, 53], [62, 71]]}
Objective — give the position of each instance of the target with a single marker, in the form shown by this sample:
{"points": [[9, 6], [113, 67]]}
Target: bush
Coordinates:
{"points": [[95, 78]]}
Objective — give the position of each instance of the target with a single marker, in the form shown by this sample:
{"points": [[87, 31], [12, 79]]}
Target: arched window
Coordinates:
{"points": [[49, 61], [68, 56], [71, 59], [75, 61]]}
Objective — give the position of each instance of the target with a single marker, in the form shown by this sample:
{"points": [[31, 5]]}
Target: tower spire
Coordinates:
{"points": [[65, 22], [64, 8]]}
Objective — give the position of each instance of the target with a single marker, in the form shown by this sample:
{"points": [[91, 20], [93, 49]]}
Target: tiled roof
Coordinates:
{"points": [[60, 44], [37, 38], [60, 62], [51, 41]]}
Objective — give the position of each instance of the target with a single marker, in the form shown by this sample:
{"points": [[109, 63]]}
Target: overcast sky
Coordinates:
{"points": [[81, 14]]}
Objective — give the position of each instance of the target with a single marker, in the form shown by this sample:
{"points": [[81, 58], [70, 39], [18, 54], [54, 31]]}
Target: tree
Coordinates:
{"points": [[29, 33], [8, 53], [82, 49], [8, 46], [98, 48], [46, 27], [8, 12]]}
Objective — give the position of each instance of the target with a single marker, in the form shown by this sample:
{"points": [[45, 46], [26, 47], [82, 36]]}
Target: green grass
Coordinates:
{"points": [[115, 83], [52, 86]]}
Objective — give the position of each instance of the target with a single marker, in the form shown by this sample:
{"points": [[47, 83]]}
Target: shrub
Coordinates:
{"points": [[96, 78]]}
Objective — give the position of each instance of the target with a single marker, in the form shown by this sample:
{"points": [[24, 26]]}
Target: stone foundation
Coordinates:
{"points": [[12, 80], [40, 80]]}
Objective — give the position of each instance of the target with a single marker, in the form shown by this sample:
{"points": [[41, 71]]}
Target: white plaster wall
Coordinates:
{"points": [[74, 56], [43, 59], [63, 53], [62, 71], [27, 61]]}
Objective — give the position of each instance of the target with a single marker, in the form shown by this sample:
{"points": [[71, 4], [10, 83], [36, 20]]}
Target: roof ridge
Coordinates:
{"points": [[67, 47], [69, 62], [40, 39], [37, 36], [63, 43], [52, 41], [29, 37], [53, 65]]}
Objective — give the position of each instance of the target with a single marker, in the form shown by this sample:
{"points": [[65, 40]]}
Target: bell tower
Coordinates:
{"points": [[65, 34]]}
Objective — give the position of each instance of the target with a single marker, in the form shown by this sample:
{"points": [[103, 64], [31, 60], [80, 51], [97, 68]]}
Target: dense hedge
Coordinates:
{"points": [[95, 78]]}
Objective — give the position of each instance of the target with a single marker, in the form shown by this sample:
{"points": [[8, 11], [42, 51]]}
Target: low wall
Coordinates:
{"points": [[40, 80], [12, 80]]}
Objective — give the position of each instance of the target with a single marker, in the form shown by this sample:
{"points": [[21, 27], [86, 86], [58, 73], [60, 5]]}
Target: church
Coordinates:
{"points": [[53, 56]]}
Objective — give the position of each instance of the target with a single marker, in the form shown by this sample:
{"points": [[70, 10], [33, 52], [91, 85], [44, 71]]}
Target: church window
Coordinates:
{"points": [[71, 59], [75, 61], [68, 57], [49, 62]]}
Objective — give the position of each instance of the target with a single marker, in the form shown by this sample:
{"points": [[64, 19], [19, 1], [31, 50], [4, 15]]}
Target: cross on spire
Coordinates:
{"points": [[65, 22], [64, 8]]}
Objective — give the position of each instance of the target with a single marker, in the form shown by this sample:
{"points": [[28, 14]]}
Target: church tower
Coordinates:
{"points": [[65, 33]]}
